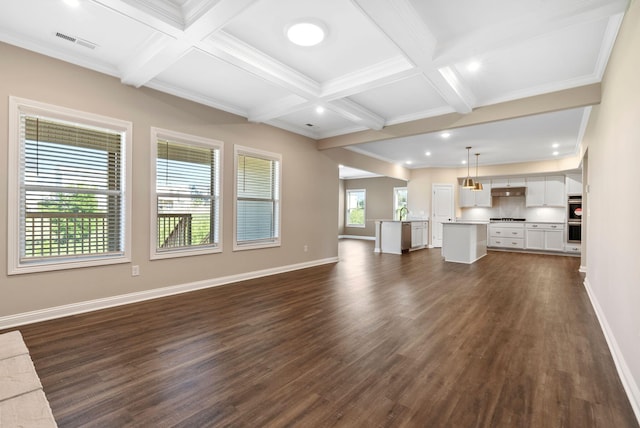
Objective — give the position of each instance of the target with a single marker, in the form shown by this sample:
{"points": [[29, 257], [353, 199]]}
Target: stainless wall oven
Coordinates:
{"points": [[574, 219]]}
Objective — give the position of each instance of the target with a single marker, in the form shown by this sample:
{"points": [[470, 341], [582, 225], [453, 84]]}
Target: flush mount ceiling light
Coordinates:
{"points": [[319, 109], [306, 33], [473, 66], [445, 134], [477, 186], [468, 182]]}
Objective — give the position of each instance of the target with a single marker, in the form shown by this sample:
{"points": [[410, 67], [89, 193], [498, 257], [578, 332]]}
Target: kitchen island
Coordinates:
{"points": [[398, 237], [464, 242]]}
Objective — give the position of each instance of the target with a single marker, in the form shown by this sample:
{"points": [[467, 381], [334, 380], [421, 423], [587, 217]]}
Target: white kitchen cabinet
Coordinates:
{"points": [[574, 184], [419, 230], [506, 235], [545, 236], [508, 182], [472, 198], [573, 247], [535, 239], [545, 192]]}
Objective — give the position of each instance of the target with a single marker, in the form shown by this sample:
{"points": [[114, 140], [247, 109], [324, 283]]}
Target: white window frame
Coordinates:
{"points": [[396, 190], [18, 106], [364, 214], [193, 140], [276, 241]]}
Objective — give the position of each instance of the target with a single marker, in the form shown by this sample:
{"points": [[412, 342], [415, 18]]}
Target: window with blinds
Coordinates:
{"points": [[71, 188], [257, 222], [187, 184]]}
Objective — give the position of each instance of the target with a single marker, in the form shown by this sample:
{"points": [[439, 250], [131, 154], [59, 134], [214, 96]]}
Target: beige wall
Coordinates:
{"points": [[379, 202], [613, 232], [341, 215], [309, 199]]}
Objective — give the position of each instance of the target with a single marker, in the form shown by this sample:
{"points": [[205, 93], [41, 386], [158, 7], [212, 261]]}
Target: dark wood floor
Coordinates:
{"points": [[374, 340]]}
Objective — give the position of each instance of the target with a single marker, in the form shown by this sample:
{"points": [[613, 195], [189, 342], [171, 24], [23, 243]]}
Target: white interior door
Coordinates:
{"points": [[442, 210]]}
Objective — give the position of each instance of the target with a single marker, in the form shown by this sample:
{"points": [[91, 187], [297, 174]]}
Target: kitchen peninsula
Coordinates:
{"points": [[464, 242], [397, 237]]}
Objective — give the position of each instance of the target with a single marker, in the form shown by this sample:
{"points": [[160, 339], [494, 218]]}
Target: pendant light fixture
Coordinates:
{"points": [[468, 182], [477, 186]]}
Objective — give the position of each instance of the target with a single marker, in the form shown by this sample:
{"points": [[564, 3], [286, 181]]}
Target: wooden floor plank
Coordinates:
{"points": [[376, 340]]}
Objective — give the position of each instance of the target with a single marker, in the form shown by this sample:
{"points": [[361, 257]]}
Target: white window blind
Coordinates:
{"points": [[257, 199], [71, 190], [187, 196]]}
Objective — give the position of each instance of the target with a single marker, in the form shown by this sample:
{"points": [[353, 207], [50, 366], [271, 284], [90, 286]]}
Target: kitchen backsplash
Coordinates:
{"points": [[514, 207]]}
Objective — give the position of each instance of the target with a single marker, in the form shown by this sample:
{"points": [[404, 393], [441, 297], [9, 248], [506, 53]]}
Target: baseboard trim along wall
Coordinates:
{"points": [[124, 299], [629, 384], [366, 238]]}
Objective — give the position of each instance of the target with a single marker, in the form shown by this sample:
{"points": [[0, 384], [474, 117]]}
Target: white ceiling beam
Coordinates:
{"points": [[383, 73], [165, 22], [401, 23], [236, 52], [357, 114], [233, 51], [154, 58], [553, 17]]}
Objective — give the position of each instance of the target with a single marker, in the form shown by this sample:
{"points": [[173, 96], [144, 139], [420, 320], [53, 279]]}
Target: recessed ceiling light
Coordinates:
{"points": [[556, 153], [72, 3], [305, 33], [319, 109], [555, 145], [464, 162], [428, 154], [408, 162], [473, 66], [445, 134]]}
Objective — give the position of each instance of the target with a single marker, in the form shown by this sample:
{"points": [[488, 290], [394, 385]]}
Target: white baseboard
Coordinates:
{"points": [[628, 382], [366, 238], [582, 269], [124, 299]]}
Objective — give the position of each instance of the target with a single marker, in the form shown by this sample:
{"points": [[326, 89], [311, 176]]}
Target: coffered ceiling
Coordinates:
{"points": [[382, 62]]}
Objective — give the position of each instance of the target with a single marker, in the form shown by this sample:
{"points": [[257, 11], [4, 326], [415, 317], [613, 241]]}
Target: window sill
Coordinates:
{"points": [[187, 252], [255, 246], [50, 266]]}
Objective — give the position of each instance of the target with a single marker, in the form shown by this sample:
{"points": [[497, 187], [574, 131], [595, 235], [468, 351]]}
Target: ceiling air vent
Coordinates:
{"points": [[64, 36], [77, 41]]}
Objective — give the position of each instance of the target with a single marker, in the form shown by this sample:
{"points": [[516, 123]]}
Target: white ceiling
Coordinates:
{"points": [[383, 62]]}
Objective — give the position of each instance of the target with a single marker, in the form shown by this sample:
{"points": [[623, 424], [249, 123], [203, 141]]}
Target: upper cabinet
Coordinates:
{"points": [[481, 198], [574, 184], [508, 182], [545, 191]]}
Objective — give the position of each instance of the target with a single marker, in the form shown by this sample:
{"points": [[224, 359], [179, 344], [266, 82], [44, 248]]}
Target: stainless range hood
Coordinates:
{"points": [[508, 191]]}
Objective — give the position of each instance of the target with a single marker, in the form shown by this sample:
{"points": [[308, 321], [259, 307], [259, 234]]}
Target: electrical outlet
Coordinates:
{"points": [[135, 270]]}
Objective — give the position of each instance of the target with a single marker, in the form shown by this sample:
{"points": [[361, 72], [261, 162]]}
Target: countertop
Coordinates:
{"points": [[527, 222], [466, 222], [400, 221]]}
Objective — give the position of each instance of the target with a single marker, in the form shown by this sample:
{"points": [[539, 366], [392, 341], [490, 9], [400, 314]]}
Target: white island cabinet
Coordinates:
{"points": [[398, 237], [464, 242]]}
